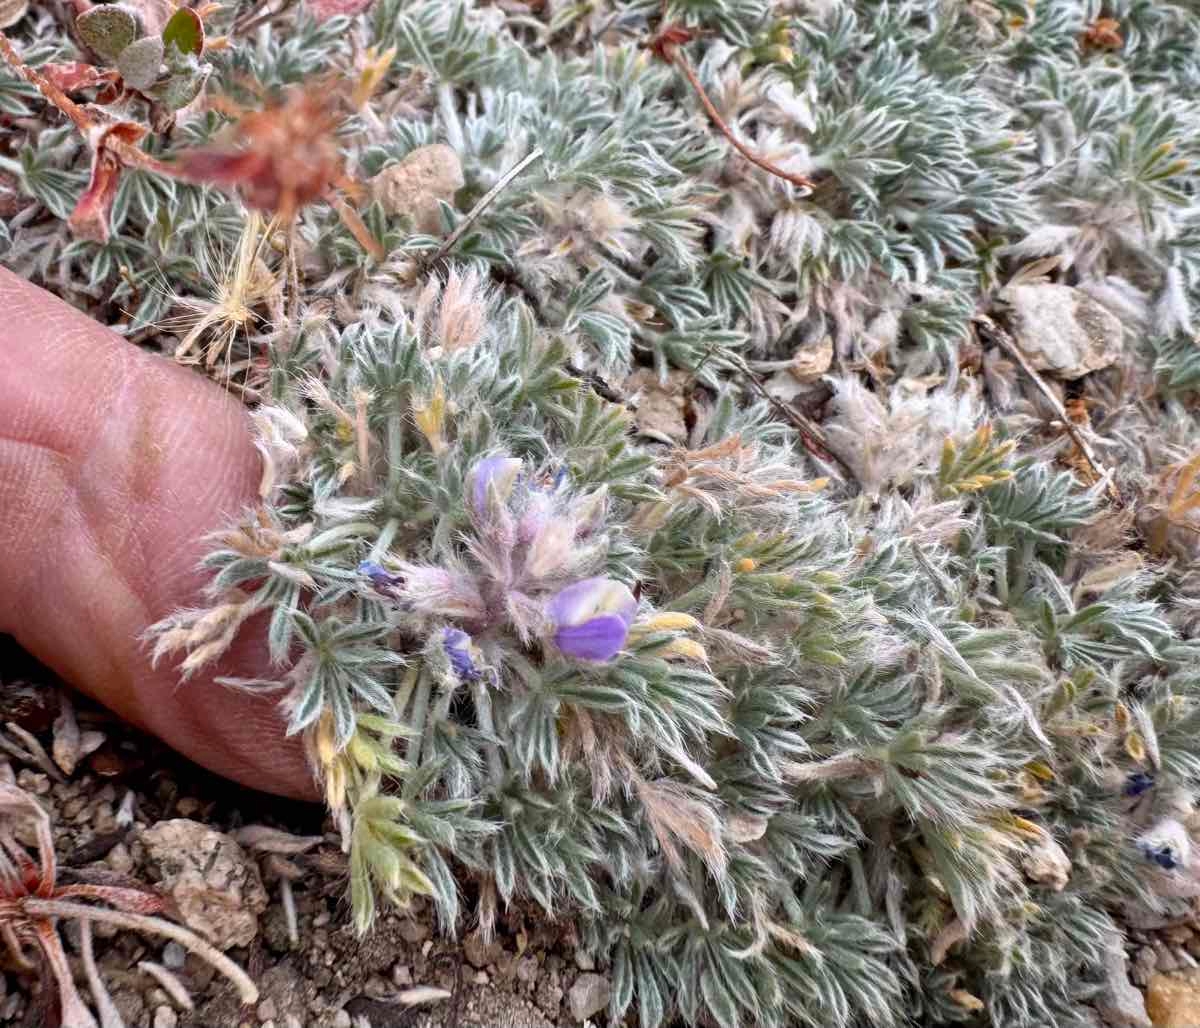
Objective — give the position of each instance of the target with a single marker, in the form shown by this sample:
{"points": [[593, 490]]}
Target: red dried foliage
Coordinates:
{"points": [[1103, 34], [75, 76], [281, 158], [285, 157], [666, 43], [25, 879], [89, 219]]}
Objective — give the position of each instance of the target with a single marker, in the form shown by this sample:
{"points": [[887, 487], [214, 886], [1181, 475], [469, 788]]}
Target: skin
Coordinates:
{"points": [[114, 464]]}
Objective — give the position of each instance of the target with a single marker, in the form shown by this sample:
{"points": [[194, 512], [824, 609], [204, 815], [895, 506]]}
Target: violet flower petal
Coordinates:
{"points": [[500, 471], [383, 580], [457, 645], [598, 639], [584, 600]]}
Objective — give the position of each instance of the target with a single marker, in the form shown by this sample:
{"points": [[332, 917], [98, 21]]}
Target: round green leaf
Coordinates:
{"points": [[140, 63], [108, 29], [180, 88], [185, 31]]}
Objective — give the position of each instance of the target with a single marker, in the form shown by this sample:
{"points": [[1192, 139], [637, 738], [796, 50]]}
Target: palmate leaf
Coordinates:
{"points": [[872, 700]]}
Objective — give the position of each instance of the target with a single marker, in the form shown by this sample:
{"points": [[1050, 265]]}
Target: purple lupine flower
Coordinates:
{"points": [[589, 512], [538, 509], [1164, 856], [433, 590], [382, 579], [592, 618], [1137, 783], [1167, 844], [460, 652], [500, 472]]}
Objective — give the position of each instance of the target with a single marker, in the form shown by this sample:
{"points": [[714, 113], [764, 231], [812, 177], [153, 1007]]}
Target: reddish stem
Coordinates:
{"points": [[666, 46], [358, 228], [83, 121]]}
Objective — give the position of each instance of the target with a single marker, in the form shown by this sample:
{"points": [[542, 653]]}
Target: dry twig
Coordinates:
{"points": [[484, 202], [811, 433], [666, 45], [993, 333]]}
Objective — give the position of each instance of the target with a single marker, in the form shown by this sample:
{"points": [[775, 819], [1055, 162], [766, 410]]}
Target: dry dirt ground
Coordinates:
{"points": [[108, 815], [222, 853]]}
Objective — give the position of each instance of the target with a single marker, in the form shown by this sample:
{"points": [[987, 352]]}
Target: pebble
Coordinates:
{"points": [[1062, 329], [479, 953], [119, 859], [402, 975], [377, 987], [1121, 1005], [266, 1010], [415, 185], [341, 1020], [165, 1017], [216, 887], [1164, 959], [588, 996], [103, 819], [527, 969], [189, 806], [174, 956], [413, 932], [1145, 962], [660, 412], [1174, 1001], [33, 781]]}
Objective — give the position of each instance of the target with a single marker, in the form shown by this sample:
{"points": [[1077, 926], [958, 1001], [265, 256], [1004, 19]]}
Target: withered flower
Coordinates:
{"points": [[280, 158], [1103, 34], [89, 219], [285, 157]]}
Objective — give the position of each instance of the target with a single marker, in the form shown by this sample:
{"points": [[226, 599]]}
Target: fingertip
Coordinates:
{"points": [[115, 464]]}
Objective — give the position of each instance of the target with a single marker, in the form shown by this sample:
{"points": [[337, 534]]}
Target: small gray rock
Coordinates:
{"points": [[415, 185], [174, 956], [216, 887], [1062, 329], [1120, 1004], [165, 1017], [588, 996], [479, 953], [1164, 958], [413, 932], [527, 970]]}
